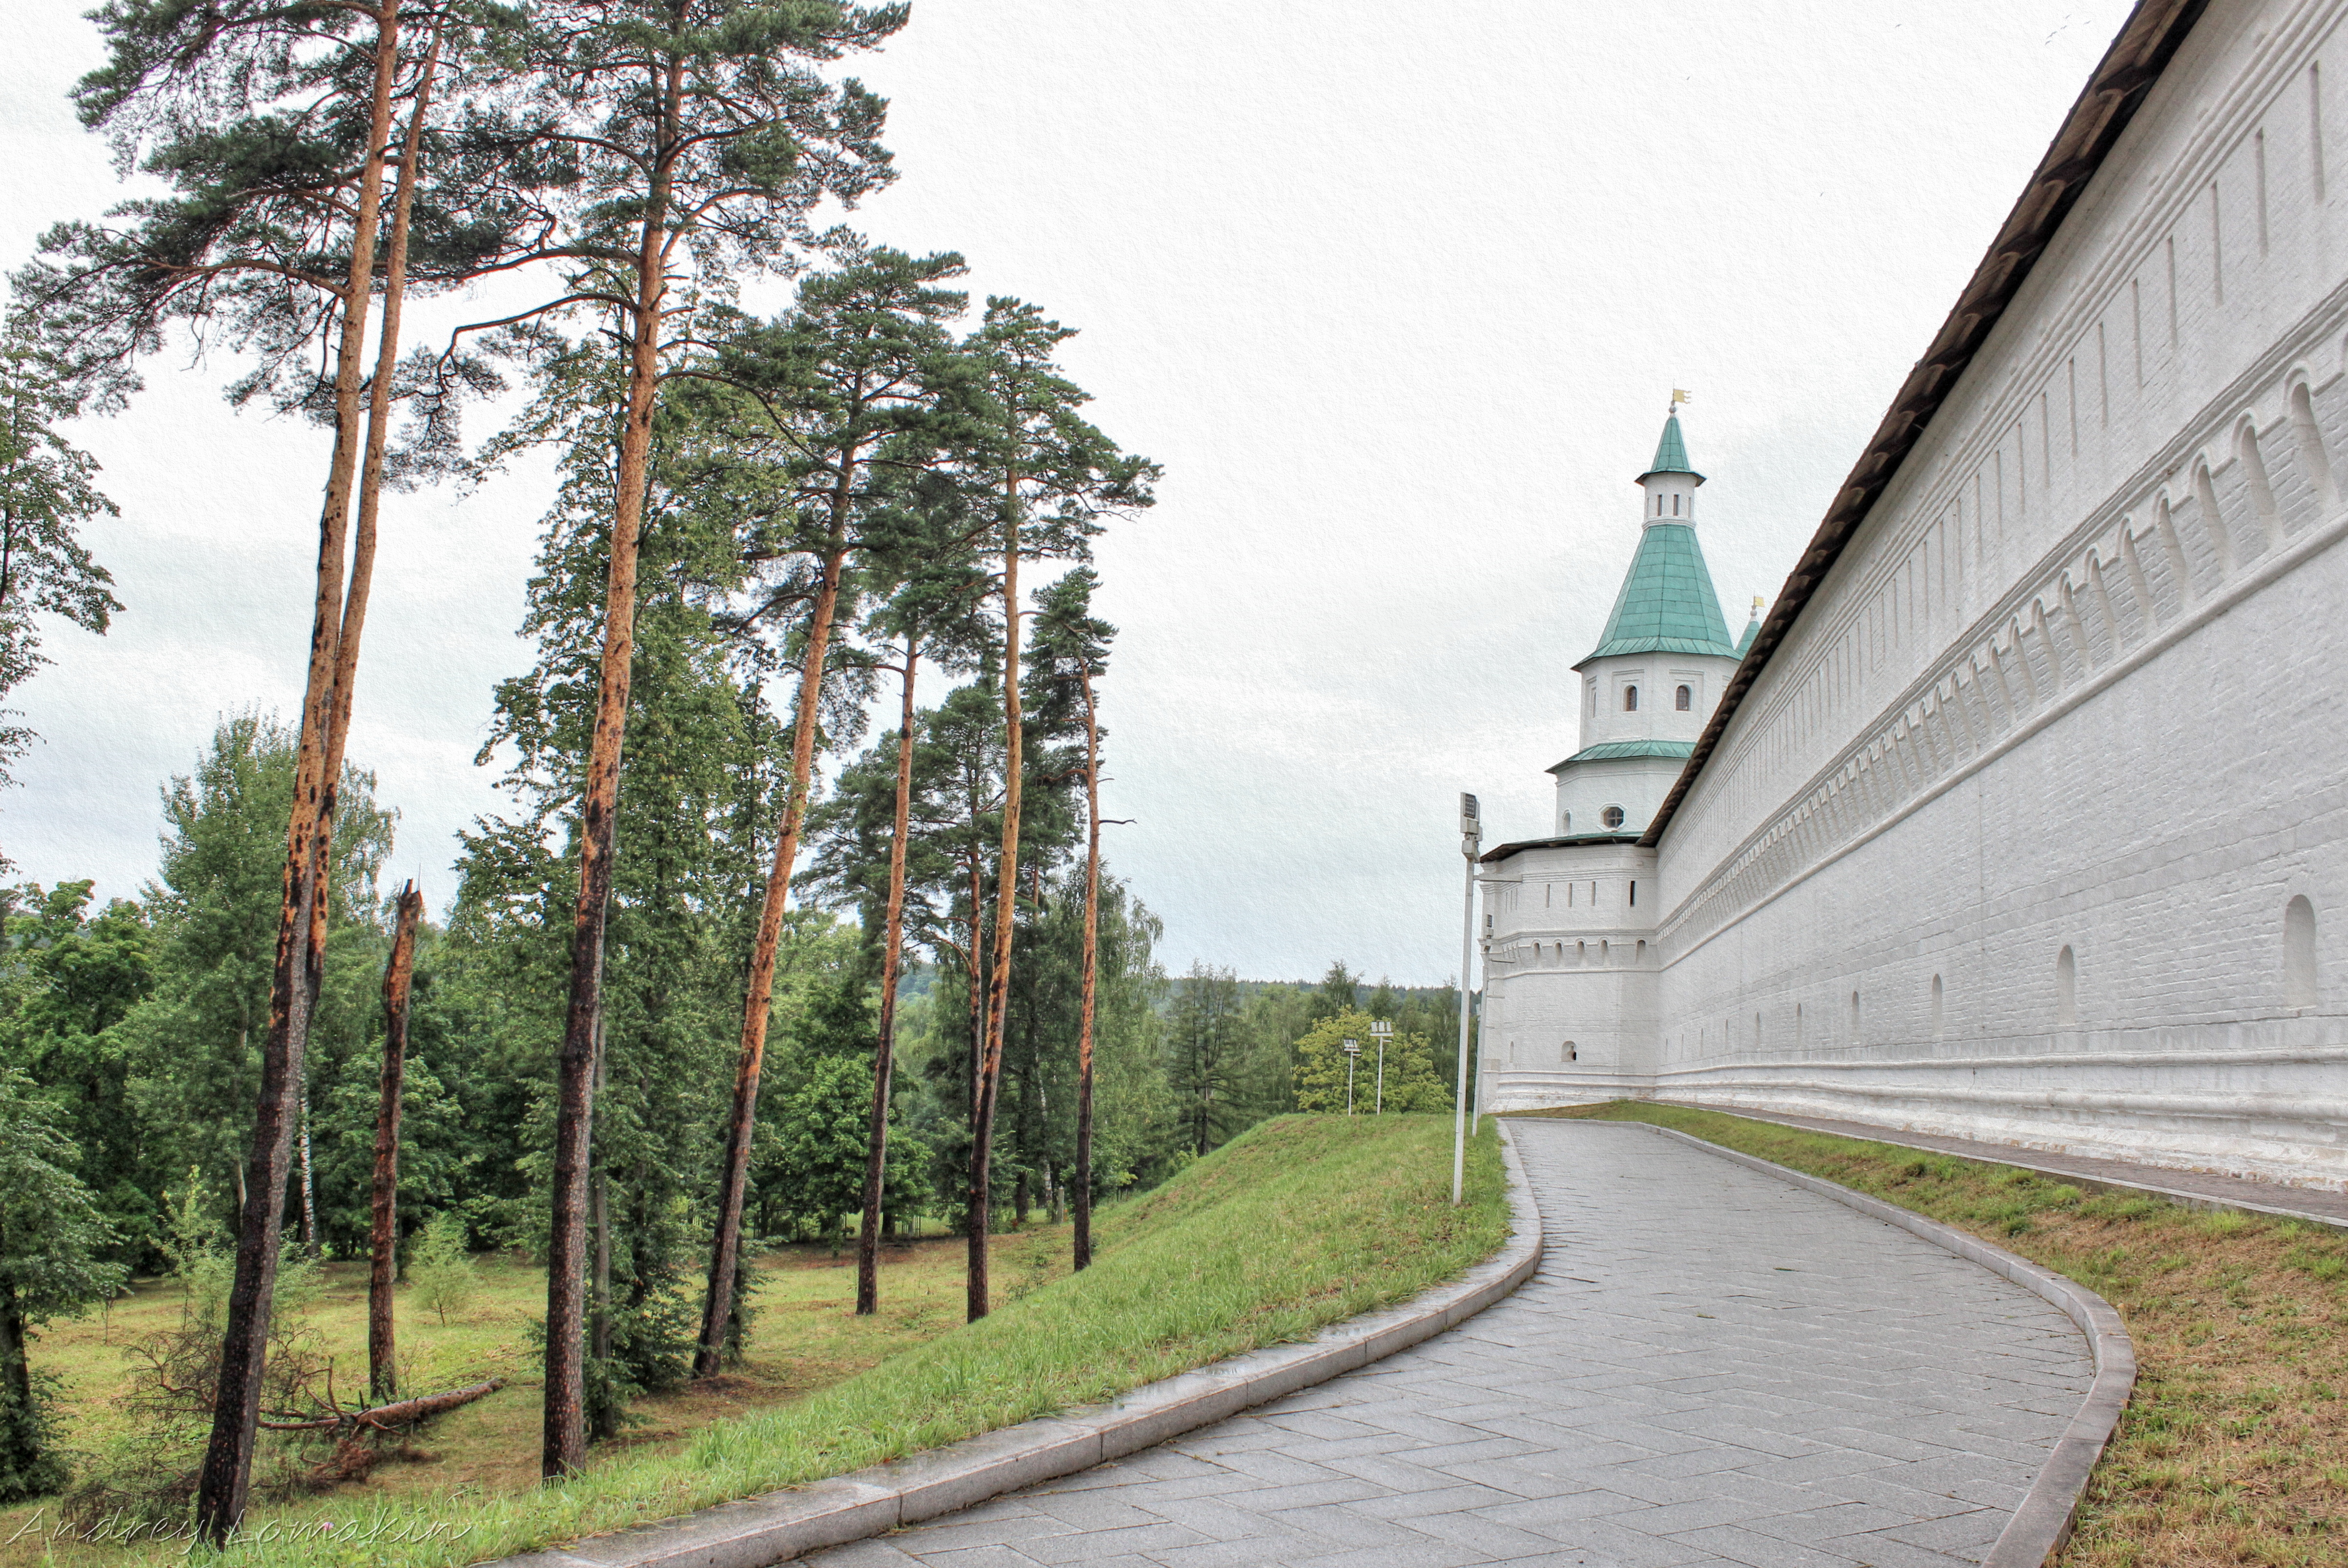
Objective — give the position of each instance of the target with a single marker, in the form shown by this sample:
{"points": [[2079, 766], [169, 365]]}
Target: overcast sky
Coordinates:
{"points": [[1397, 293]]}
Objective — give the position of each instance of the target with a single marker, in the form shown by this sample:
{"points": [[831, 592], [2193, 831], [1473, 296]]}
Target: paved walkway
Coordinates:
{"points": [[1712, 1366], [2317, 1203]]}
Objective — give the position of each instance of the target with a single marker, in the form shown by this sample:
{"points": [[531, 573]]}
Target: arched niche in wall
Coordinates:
{"points": [[1939, 1028], [2067, 989], [2309, 436], [2298, 953]]}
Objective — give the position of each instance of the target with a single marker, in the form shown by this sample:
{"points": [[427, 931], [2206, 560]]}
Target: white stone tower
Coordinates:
{"points": [[1659, 668]]}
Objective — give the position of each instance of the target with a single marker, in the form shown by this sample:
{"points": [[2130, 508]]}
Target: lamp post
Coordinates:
{"points": [[1352, 1050], [1471, 840], [1381, 1030]]}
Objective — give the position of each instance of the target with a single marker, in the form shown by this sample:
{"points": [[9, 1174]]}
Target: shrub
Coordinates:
{"points": [[440, 1277]]}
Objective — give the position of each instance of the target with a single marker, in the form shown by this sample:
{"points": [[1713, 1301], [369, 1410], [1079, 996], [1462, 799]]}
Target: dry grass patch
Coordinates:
{"points": [[2235, 1448]]}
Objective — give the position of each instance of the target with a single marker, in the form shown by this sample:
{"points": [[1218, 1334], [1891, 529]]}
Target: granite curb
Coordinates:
{"points": [[2042, 1522], [2019, 1159], [779, 1526]]}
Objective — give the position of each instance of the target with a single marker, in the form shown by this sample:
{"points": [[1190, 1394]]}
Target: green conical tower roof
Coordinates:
{"points": [[1667, 604], [1671, 453]]}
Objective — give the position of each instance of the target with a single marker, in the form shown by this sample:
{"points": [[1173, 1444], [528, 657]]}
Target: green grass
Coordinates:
{"points": [[1302, 1222], [2234, 1450]]}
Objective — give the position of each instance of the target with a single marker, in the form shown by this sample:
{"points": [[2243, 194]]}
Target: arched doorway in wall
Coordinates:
{"points": [[2298, 953]]}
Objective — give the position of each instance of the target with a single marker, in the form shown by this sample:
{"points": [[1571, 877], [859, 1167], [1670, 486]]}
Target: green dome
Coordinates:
{"points": [[1671, 454], [1667, 604]]}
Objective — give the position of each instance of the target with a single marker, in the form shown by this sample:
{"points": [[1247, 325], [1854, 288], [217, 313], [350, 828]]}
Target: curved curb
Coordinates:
{"points": [[779, 1526], [2042, 1522]]}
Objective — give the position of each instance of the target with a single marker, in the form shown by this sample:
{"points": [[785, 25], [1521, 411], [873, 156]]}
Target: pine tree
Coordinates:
{"points": [[52, 1238], [1054, 479]]}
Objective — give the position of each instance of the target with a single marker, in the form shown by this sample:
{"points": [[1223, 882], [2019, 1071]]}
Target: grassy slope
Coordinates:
{"points": [[805, 1340], [1299, 1224], [2235, 1448]]}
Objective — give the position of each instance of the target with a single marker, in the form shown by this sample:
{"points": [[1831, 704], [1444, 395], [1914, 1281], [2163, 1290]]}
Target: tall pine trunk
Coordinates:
{"points": [[382, 1255], [1082, 1197], [370, 497], [724, 1254], [225, 1481], [563, 1443], [884, 1051], [1006, 894], [599, 1301], [309, 1185]]}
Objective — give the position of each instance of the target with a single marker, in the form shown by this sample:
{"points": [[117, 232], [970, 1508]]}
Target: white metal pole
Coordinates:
{"points": [[1381, 1109], [1470, 839], [1483, 1084]]}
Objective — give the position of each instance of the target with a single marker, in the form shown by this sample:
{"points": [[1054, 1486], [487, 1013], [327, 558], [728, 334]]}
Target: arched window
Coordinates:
{"points": [[1593, 699], [2066, 990], [2299, 953], [1630, 699], [1612, 818], [1675, 506], [1565, 823], [1936, 1007], [1684, 699], [1566, 1052], [1854, 1017]]}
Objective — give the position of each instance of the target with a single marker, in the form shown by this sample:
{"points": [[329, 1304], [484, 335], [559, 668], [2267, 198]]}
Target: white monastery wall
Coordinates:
{"points": [[2005, 838]]}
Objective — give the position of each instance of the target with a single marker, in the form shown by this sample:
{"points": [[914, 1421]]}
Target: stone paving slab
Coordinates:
{"points": [[2202, 1188], [1711, 1368]]}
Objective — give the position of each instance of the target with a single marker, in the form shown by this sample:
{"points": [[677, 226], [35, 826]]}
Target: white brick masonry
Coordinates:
{"points": [[2030, 829]]}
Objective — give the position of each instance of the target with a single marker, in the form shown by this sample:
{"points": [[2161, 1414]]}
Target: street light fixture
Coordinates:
{"points": [[1352, 1050], [1471, 840], [1382, 1030]]}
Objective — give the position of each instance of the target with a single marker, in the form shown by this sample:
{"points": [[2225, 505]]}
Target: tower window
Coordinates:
{"points": [[1684, 699], [1659, 505], [1612, 818], [1630, 699], [1675, 506]]}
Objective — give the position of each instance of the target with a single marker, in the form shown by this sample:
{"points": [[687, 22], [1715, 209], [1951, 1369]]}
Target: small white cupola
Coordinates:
{"points": [[1669, 481]]}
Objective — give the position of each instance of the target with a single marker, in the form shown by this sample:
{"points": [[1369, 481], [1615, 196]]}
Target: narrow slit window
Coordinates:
{"points": [[1630, 698]]}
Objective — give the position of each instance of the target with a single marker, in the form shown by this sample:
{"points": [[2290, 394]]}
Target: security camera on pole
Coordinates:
{"points": [[1381, 1030], [1471, 841], [1352, 1050]]}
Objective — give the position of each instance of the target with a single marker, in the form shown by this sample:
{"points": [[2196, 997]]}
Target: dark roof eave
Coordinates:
{"points": [[1505, 850], [2147, 42], [1624, 647]]}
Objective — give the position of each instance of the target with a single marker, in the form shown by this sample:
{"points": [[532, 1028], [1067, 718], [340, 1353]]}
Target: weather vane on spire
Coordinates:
{"points": [[1679, 395]]}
